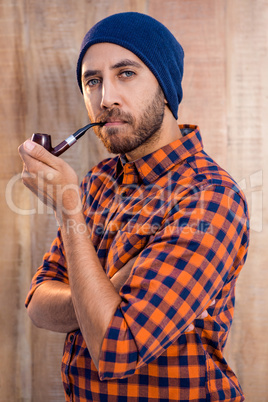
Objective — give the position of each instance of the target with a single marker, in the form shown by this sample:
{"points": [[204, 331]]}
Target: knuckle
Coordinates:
{"points": [[27, 177], [39, 152], [189, 328], [204, 314], [26, 182]]}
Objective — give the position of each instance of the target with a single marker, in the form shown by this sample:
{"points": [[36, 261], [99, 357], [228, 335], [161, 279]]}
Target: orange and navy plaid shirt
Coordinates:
{"points": [[186, 220]]}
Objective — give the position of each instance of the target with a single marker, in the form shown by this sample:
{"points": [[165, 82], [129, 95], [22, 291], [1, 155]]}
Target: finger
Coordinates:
{"points": [[27, 179], [25, 172], [25, 148], [26, 175], [30, 163], [190, 328], [203, 315], [30, 149]]}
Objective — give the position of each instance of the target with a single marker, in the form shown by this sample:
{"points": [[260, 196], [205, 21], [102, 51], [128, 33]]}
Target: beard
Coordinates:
{"points": [[145, 130]]}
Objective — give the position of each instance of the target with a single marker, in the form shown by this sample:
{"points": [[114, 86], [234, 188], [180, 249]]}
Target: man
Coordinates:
{"points": [[153, 237]]}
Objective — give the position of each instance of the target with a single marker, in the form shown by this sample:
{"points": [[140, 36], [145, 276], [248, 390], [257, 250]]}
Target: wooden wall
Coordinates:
{"points": [[225, 93]]}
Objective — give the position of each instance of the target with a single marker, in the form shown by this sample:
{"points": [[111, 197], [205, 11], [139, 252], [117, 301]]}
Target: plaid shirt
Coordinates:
{"points": [[186, 220]]}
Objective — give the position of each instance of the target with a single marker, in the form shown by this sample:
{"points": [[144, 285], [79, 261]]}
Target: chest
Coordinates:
{"points": [[122, 218]]}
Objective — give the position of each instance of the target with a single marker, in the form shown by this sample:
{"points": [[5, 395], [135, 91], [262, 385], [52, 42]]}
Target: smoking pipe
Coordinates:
{"points": [[45, 140]]}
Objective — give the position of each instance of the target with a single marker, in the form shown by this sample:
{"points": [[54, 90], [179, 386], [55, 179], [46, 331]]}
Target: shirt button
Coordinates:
{"points": [[71, 338], [124, 194], [68, 391]]}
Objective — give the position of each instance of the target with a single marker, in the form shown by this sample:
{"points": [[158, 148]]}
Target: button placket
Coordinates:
{"points": [[130, 180]]}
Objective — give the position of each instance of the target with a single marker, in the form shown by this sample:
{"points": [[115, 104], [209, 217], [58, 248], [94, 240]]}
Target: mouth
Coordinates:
{"points": [[112, 123]]}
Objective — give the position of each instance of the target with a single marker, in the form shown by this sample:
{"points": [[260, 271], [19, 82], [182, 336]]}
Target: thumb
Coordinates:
{"points": [[35, 149], [38, 152]]}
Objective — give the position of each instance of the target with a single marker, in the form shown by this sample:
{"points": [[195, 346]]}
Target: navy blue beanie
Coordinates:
{"points": [[148, 39]]}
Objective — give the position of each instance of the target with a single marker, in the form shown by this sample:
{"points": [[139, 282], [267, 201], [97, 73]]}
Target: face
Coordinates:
{"points": [[120, 90]]}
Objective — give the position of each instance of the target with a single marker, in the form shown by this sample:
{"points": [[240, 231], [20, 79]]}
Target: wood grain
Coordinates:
{"points": [[225, 93]]}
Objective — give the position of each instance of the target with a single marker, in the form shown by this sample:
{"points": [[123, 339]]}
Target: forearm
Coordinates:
{"points": [[51, 307], [95, 299]]}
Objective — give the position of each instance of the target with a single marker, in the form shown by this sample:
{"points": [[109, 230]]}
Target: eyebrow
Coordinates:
{"points": [[122, 63], [126, 63]]}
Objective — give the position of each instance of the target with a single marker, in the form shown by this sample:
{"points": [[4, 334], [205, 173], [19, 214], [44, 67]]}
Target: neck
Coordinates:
{"points": [[168, 133]]}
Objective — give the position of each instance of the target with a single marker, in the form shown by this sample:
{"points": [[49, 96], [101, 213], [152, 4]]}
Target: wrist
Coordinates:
{"points": [[73, 225], [70, 204]]}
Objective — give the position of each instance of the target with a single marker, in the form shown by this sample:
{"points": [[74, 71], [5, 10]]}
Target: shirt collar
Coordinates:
{"points": [[151, 166]]}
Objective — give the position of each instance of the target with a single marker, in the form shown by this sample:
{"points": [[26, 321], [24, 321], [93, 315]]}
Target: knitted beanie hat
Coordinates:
{"points": [[148, 39]]}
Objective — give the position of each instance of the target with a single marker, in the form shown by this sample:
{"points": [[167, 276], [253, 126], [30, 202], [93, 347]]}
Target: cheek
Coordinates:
{"points": [[146, 93], [141, 101], [89, 106]]}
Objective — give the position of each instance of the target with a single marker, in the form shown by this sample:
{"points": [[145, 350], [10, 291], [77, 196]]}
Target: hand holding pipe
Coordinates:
{"points": [[45, 140]]}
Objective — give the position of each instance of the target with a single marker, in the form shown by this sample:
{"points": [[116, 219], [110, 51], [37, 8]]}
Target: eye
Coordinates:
{"points": [[127, 74], [93, 82]]}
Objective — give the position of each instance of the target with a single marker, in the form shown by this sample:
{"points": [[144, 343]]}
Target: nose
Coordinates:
{"points": [[110, 95]]}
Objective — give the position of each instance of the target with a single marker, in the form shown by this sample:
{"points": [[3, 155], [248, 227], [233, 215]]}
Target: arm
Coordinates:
{"points": [[51, 305], [94, 297], [194, 258]]}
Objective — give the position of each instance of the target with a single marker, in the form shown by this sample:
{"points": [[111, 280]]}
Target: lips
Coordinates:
{"points": [[114, 123], [115, 117]]}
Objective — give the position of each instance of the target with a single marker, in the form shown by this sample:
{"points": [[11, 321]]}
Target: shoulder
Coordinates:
{"points": [[200, 178], [206, 173]]}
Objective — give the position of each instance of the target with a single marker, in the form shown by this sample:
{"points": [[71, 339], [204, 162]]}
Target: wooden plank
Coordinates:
{"points": [[200, 27], [15, 336], [225, 93], [247, 94], [54, 102]]}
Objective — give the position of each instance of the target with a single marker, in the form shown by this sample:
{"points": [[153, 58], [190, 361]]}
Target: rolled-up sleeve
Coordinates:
{"points": [[184, 266], [54, 265], [52, 268]]}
